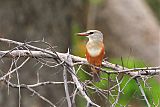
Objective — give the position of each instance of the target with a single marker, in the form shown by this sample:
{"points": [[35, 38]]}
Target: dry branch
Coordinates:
{"points": [[78, 60], [68, 62], [31, 90], [79, 85]]}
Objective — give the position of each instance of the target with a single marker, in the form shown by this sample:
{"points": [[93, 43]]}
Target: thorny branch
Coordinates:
{"points": [[82, 61], [69, 62], [31, 90], [66, 87], [78, 83]]}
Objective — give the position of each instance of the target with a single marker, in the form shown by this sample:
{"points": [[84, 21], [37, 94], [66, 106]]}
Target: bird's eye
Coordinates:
{"points": [[90, 33]]}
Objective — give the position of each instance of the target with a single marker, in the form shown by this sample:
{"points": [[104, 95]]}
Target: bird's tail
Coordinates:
{"points": [[96, 74]]}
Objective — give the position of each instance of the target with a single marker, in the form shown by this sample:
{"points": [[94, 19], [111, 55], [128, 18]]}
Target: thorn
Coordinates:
{"points": [[43, 39], [68, 51]]}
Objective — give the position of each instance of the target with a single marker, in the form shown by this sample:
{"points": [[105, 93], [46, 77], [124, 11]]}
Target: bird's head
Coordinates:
{"points": [[93, 35]]}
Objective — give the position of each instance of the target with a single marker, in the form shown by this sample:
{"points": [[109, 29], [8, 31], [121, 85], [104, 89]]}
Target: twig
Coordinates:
{"points": [[30, 89], [68, 61], [78, 84], [78, 60], [118, 95], [66, 87], [9, 73], [48, 82], [142, 92], [74, 95], [18, 81]]}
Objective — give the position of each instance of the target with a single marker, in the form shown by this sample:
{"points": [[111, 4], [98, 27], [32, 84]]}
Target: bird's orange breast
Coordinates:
{"points": [[97, 59]]}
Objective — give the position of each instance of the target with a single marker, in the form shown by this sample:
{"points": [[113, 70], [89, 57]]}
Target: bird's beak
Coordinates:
{"points": [[83, 34]]}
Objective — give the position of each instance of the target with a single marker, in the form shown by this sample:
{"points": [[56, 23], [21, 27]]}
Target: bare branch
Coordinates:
{"points": [[78, 84], [69, 62], [32, 90], [14, 70], [66, 87], [79, 60], [142, 92]]}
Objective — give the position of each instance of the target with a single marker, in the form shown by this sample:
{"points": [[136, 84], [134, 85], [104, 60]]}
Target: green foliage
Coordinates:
{"points": [[131, 92], [95, 2], [82, 76], [128, 62], [103, 83], [80, 101], [153, 92], [155, 6], [130, 89], [78, 43]]}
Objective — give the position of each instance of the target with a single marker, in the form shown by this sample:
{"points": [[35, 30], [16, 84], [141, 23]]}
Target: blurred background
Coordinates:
{"points": [[131, 30]]}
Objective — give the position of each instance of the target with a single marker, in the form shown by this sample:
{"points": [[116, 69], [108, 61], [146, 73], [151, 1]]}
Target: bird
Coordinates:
{"points": [[95, 51]]}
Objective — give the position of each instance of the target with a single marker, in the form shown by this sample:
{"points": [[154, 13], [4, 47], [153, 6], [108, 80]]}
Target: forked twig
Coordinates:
{"points": [[68, 62]]}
